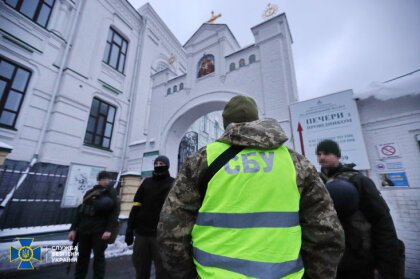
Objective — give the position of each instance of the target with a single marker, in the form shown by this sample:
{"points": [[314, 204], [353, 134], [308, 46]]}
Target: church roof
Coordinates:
{"points": [[210, 26]]}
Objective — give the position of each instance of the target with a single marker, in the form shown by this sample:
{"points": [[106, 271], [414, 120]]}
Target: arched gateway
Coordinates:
{"points": [[177, 125], [217, 69]]}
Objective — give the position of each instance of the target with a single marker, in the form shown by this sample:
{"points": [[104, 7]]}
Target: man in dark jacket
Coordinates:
{"points": [[144, 217], [371, 239], [94, 221]]}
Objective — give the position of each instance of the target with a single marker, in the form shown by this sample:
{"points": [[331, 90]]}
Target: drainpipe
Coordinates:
{"points": [[50, 107], [131, 98]]}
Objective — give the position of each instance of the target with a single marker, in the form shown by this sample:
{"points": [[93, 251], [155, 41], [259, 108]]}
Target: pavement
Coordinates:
{"points": [[117, 267]]}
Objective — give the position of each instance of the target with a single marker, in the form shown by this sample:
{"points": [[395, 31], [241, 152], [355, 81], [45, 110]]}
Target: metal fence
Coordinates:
{"points": [[37, 201]]}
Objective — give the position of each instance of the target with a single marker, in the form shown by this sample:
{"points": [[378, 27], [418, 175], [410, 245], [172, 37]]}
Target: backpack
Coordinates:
{"points": [[102, 204], [364, 241]]}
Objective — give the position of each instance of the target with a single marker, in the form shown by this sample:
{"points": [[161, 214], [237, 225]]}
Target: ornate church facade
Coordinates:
{"points": [[98, 85]]}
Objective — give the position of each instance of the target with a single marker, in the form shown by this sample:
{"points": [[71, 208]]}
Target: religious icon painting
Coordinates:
{"points": [[206, 65]]}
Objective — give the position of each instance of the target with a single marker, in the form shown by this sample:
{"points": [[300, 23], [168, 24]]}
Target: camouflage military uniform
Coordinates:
{"points": [[322, 234]]}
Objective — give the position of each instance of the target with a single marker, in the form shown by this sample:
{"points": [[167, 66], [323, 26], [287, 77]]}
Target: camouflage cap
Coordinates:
{"points": [[240, 109]]}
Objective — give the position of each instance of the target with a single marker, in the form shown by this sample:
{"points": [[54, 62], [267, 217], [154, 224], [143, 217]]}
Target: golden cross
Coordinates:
{"points": [[213, 17]]}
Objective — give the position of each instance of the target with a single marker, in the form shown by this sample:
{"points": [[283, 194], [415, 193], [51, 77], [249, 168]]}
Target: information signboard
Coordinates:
{"points": [[333, 117]]}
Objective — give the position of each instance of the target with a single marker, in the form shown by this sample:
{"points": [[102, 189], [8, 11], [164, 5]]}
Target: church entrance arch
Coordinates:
{"points": [[178, 123]]}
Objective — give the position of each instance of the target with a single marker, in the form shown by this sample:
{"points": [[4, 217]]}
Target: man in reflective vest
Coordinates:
{"points": [[264, 214]]}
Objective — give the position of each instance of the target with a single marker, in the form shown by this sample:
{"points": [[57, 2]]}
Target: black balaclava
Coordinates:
{"points": [[161, 169]]}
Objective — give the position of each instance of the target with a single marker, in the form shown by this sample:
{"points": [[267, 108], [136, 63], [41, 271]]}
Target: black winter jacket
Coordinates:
{"points": [[148, 202], [383, 243], [99, 213]]}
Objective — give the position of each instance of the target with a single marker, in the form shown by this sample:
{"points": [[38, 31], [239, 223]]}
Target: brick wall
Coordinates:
{"points": [[405, 211]]}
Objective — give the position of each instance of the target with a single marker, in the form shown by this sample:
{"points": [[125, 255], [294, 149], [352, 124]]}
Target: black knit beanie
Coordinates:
{"points": [[240, 109], [103, 175], [163, 159], [328, 146]]}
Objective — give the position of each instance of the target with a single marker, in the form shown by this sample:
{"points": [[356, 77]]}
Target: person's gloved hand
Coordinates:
{"points": [[129, 237]]}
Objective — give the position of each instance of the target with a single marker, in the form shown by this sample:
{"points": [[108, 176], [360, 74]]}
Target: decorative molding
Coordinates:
{"points": [[97, 147], [110, 87], [112, 73], [71, 70], [241, 50], [120, 18], [153, 40], [155, 37], [26, 23], [7, 127], [121, 7], [389, 120], [73, 103], [19, 42]]}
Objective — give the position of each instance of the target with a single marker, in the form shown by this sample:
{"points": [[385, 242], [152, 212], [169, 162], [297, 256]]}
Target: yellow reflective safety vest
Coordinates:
{"points": [[248, 224]]}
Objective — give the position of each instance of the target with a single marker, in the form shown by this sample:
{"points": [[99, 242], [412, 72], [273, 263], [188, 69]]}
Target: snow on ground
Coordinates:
{"points": [[5, 146], [57, 252], [134, 173], [408, 84], [32, 230]]}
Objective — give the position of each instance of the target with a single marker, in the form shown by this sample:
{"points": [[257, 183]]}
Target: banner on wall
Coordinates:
{"points": [[80, 179], [388, 150], [333, 117], [393, 179], [389, 166]]}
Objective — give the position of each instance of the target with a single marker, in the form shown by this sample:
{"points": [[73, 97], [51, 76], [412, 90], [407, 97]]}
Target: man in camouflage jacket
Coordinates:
{"points": [[322, 234]]}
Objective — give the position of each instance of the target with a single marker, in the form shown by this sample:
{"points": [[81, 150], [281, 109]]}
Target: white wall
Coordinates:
{"points": [[397, 121], [158, 45], [83, 79]]}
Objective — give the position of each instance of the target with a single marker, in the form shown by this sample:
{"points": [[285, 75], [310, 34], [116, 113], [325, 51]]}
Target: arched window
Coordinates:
{"points": [[205, 65], [232, 67], [175, 88], [181, 86], [241, 62], [168, 92], [252, 58]]}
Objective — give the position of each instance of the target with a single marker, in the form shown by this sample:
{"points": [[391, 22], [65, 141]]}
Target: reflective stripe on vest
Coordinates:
{"points": [[248, 224]]}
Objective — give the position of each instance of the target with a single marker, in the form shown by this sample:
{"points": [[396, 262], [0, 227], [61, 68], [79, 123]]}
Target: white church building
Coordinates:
{"points": [[94, 85], [97, 85]]}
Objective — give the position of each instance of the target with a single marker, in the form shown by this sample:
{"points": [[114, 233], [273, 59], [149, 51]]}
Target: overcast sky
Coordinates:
{"points": [[337, 44]]}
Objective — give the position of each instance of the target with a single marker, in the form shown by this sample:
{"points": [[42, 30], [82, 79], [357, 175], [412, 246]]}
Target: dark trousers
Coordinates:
{"points": [[144, 251], [363, 273], [87, 243]]}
